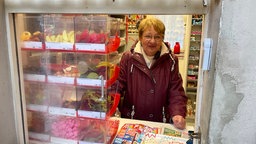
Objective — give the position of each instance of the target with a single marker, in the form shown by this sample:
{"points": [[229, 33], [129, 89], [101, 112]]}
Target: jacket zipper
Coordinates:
{"points": [[153, 78]]}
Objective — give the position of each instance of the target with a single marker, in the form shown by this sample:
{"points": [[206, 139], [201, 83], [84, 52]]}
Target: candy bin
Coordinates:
{"points": [[38, 126], [59, 32], [31, 34], [65, 129], [92, 68], [97, 131], [98, 33], [35, 94], [62, 100], [32, 69], [60, 67], [97, 105]]}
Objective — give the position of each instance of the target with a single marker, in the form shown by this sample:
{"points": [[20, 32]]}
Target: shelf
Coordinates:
{"points": [[192, 80], [196, 41], [74, 81], [192, 61], [191, 93], [196, 24], [194, 50], [194, 74], [193, 65], [191, 88]]}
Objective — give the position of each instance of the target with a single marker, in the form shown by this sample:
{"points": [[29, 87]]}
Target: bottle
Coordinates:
{"points": [[176, 49]]}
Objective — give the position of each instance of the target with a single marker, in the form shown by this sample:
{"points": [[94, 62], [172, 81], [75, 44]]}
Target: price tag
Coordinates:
{"points": [[83, 46], [98, 47], [90, 47], [52, 45], [35, 107], [32, 44], [56, 140], [91, 114], [39, 136], [34, 77], [62, 111], [59, 46], [61, 79], [66, 46], [89, 82]]}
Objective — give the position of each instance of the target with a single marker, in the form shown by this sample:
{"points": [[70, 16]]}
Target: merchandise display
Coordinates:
{"points": [[193, 65], [68, 67]]}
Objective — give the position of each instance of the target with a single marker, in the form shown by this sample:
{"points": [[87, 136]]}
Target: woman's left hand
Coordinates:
{"points": [[179, 122]]}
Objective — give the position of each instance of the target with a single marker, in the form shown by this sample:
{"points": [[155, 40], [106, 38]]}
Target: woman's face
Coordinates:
{"points": [[151, 41]]}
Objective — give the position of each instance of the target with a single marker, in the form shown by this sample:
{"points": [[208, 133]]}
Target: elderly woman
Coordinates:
{"points": [[149, 79]]}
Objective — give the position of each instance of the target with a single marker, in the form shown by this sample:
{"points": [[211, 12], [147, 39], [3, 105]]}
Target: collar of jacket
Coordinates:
{"points": [[138, 48]]}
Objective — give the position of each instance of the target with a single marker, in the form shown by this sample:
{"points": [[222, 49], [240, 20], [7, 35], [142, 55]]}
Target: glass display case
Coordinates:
{"points": [[67, 69]]}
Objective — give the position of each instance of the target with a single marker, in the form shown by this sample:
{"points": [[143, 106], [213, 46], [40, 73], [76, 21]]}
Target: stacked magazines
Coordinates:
{"points": [[143, 134]]}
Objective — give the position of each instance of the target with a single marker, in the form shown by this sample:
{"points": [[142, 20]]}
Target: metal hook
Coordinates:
{"points": [[102, 87]]}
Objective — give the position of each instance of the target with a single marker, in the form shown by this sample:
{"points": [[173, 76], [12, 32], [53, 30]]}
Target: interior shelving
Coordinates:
{"points": [[193, 65]]}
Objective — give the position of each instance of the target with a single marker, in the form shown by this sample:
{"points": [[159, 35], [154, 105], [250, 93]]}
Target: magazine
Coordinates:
{"points": [[143, 134], [133, 133], [151, 138]]}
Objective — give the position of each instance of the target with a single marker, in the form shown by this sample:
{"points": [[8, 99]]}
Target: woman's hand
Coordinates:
{"points": [[179, 122]]}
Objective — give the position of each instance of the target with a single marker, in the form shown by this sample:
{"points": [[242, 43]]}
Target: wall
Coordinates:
{"points": [[211, 30], [233, 109], [7, 123]]}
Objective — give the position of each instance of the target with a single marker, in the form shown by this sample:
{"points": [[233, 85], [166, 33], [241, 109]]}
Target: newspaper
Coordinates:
{"points": [[142, 134]]}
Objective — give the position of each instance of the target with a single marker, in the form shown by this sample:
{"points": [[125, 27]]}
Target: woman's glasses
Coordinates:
{"points": [[156, 37]]}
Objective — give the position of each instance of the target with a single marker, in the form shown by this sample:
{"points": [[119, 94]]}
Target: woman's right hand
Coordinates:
{"points": [[179, 122]]}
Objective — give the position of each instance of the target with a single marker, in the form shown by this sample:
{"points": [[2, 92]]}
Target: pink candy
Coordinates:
{"points": [[67, 128]]}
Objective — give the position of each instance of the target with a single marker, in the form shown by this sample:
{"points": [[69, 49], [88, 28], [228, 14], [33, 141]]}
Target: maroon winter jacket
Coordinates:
{"points": [[147, 91]]}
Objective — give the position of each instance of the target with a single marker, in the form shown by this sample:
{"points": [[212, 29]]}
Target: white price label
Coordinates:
{"points": [[67, 46], [91, 114], [62, 111], [39, 136], [61, 79], [56, 140], [90, 47], [34, 77], [59, 46], [89, 82], [35, 107], [32, 44]]}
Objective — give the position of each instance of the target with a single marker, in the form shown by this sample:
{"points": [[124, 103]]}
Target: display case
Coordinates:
{"points": [[68, 66], [193, 64]]}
